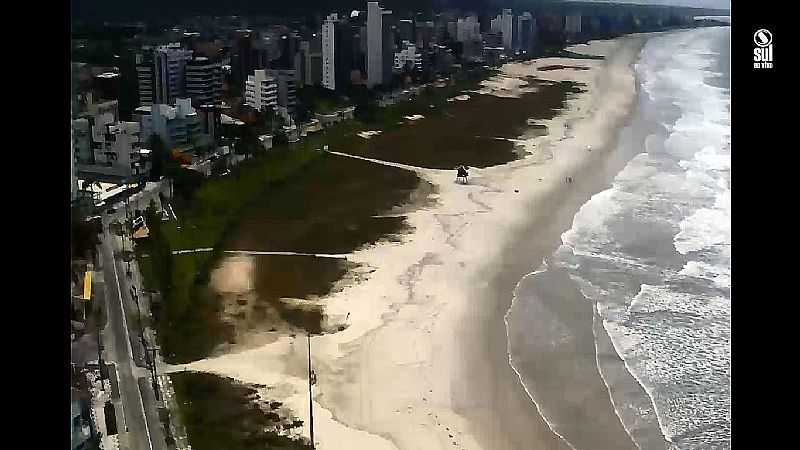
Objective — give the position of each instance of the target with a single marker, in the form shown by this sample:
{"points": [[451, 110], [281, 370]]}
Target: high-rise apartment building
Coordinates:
{"points": [[312, 52], [117, 150], [162, 74], [287, 90], [204, 81], [507, 28], [329, 51], [178, 126], [572, 25], [467, 29], [376, 48], [405, 30], [261, 91], [525, 33]]}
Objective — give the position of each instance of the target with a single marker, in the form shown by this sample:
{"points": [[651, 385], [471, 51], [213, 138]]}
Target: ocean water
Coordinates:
{"points": [[646, 269]]}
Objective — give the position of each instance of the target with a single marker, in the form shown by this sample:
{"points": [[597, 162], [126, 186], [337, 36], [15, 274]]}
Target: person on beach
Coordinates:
{"points": [[462, 174]]}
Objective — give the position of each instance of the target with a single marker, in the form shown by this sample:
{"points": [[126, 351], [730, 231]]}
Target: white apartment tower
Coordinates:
{"points": [[261, 91], [329, 52], [468, 29], [496, 25], [118, 150], [178, 126], [375, 43], [507, 27], [572, 24]]}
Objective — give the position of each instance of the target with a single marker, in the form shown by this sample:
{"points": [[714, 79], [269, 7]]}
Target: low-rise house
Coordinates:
{"points": [[266, 141], [329, 118]]}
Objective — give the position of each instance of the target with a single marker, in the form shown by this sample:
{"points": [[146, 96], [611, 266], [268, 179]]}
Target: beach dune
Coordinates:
{"points": [[423, 361]]}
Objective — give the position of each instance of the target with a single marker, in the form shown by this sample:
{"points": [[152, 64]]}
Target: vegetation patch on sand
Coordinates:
{"points": [[187, 323], [292, 200], [560, 67], [467, 131], [220, 413]]}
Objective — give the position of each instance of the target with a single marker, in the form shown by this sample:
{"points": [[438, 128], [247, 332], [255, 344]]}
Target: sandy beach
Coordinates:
{"points": [[422, 362]]}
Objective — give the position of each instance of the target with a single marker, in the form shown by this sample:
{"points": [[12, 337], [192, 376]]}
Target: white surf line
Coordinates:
{"points": [[648, 390], [614, 406], [543, 267], [318, 255]]}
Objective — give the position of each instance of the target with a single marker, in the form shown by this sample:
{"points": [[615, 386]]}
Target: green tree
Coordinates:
{"points": [[159, 157], [84, 236], [248, 142], [186, 182]]}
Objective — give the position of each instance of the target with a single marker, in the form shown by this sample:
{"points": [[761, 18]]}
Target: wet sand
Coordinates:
{"points": [[588, 410], [551, 338]]}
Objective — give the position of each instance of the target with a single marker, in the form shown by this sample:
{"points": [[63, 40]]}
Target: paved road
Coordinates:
{"points": [[139, 410], [121, 342], [118, 350]]}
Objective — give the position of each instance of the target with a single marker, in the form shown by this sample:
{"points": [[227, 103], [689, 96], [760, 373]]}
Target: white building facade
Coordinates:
{"points": [[261, 91], [507, 28], [118, 150], [178, 126], [468, 29], [329, 52], [375, 45], [572, 24], [408, 56]]}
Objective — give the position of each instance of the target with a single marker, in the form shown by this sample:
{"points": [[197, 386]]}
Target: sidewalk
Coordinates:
{"points": [[167, 405], [101, 392]]}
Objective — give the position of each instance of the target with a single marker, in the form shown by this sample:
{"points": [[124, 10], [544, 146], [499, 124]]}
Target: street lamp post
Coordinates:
{"points": [[100, 357], [310, 398]]}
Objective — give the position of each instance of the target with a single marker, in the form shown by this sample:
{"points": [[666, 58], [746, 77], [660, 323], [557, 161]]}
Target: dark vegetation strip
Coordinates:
{"points": [[188, 320], [220, 413]]}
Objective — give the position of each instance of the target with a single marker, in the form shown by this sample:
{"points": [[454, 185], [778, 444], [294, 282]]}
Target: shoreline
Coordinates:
{"points": [[420, 363], [524, 258]]}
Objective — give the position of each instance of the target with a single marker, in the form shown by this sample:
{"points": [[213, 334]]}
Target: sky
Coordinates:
{"points": [[164, 8], [721, 4]]}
